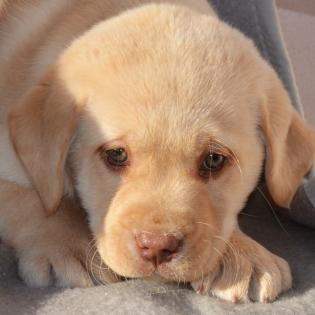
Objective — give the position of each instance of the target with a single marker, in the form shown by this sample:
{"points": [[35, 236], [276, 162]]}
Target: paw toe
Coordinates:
{"points": [[35, 271]]}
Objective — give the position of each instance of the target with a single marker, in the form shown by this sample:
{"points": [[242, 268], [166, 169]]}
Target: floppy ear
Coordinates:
{"points": [[41, 129], [290, 144]]}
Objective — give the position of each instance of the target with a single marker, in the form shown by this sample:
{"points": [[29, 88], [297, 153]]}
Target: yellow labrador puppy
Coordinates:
{"points": [[153, 119]]}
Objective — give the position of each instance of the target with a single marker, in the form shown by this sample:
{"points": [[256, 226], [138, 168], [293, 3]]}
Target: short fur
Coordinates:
{"points": [[168, 82]]}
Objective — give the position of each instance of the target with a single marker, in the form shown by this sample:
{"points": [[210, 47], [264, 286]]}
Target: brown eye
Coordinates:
{"points": [[212, 163], [117, 157]]}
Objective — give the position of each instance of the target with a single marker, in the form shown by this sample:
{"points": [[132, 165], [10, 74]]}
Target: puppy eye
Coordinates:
{"points": [[212, 163], [117, 157]]}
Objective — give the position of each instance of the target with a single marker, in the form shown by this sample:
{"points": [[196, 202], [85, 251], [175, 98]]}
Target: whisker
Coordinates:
{"points": [[204, 223], [249, 215], [88, 263], [272, 210], [218, 251], [234, 256], [94, 263], [218, 144], [92, 269]]}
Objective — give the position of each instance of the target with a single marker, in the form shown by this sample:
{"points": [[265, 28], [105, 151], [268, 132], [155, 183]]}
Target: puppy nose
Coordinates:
{"points": [[157, 248]]}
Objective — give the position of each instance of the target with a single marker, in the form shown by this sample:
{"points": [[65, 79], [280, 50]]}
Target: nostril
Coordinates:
{"points": [[165, 255], [179, 247]]}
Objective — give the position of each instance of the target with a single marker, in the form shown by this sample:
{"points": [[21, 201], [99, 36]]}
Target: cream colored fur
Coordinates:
{"points": [[168, 82]]}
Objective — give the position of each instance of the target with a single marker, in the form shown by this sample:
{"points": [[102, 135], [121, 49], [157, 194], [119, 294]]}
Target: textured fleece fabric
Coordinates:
{"points": [[294, 242], [289, 240]]}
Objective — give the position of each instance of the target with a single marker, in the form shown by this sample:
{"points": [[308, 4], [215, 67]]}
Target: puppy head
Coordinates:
{"points": [[166, 118]]}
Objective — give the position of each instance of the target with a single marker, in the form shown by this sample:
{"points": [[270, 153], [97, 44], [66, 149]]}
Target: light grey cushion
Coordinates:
{"points": [[302, 208], [297, 244], [259, 21], [291, 241]]}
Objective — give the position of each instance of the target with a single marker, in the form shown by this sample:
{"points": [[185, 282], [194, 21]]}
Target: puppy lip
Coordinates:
{"points": [[163, 270], [145, 271], [166, 272]]}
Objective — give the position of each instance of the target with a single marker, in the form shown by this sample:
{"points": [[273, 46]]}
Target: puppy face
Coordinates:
{"points": [[164, 186], [168, 144], [187, 135]]}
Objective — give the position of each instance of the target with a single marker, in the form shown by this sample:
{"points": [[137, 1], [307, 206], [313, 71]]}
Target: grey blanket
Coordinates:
{"points": [[285, 238], [294, 242]]}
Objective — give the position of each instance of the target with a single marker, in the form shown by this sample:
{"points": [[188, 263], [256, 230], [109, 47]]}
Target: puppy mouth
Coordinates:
{"points": [[169, 273], [178, 269], [162, 255], [168, 269], [173, 271]]}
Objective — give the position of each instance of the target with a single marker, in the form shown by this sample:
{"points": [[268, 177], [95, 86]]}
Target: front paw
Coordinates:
{"points": [[247, 271], [45, 264], [60, 252]]}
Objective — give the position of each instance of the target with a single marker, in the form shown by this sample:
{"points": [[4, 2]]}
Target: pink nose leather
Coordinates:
{"points": [[157, 248]]}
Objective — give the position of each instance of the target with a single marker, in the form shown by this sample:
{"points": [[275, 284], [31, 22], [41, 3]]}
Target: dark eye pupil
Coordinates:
{"points": [[117, 156], [213, 162]]}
